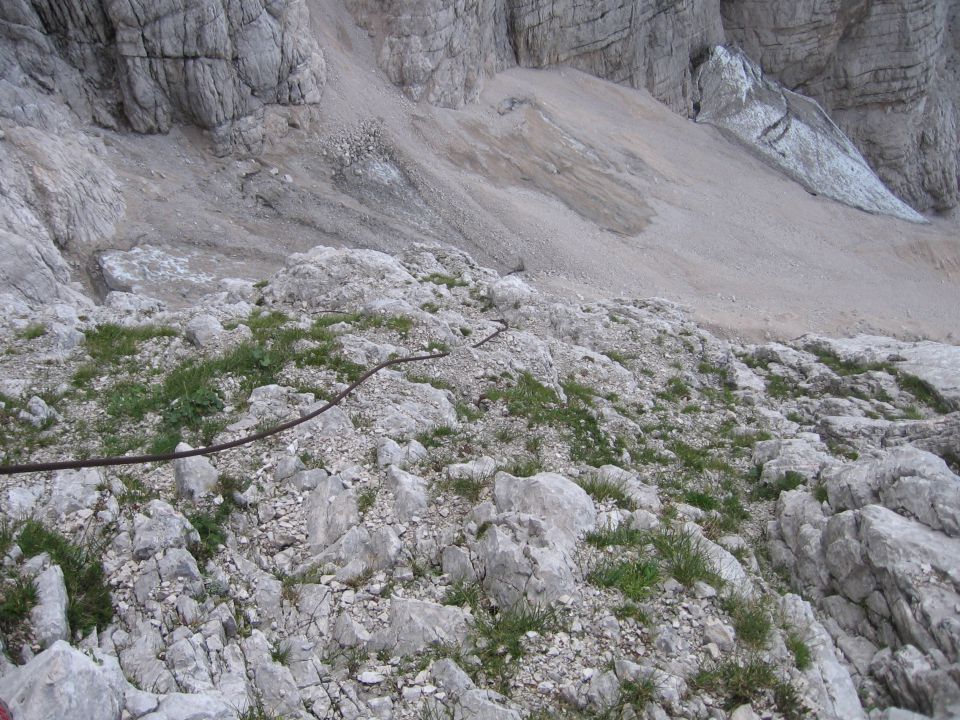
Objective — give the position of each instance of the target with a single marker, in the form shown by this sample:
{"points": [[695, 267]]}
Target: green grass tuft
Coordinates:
{"points": [[683, 557], [634, 578], [90, 605]]}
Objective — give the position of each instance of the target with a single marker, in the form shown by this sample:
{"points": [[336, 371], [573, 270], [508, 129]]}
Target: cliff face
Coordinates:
{"points": [[212, 63], [440, 49], [884, 69]]}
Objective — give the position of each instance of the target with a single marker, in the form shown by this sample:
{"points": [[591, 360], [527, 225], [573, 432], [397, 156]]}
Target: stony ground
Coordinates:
{"points": [[602, 512]]}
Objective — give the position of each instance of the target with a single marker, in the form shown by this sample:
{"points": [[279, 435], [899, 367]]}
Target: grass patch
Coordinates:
{"points": [[109, 342], [90, 605], [464, 594], [781, 388], [702, 500], [576, 418], [737, 682], [434, 438], [620, 536], [697, 459], [922, 392], [602, 490], [210, 524], [849, 367], [790, 480], [469, 487], [634, 578], [675, 391], [802, 657], [631, 611], [751, 620], [683, 557], [523, 466], [17, 598], [32, 331], [448, 281], [498, 639]]}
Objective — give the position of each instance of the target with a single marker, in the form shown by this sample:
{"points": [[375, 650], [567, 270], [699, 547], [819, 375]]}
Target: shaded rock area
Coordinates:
{"points": [[603, 509]]}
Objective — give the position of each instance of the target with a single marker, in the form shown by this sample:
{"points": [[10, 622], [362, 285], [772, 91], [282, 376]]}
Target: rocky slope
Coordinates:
{"points": [[884, 70], [602, 512]]}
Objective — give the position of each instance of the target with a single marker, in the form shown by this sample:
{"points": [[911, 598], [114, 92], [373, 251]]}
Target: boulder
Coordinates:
{"points": [[194, 476], [159, 527], [62, 682], [416, 625]]}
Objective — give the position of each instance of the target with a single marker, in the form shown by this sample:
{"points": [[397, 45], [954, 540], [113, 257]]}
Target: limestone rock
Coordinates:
{"points": [[203, 330], [195, 476], [49, 616], [791, 132], [213, 64], [550, 497], [331, 511], [409, 492], [417, 624], [884, 70], [161, 527], [62, 682]]}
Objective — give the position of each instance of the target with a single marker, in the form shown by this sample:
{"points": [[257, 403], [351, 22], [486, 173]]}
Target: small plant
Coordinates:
{"points": [[434, 438], [462, 593], [17, 598], [675, 391], [437, 346], [601, 490], [781, 388], [499, 638], [697, 459], [737, 682], [32, 331], [634, 578], [923, 392], [820, 494], [683, 557], [631, 611], [280, 654], [523, 466], [366, 498], [466, 486], [751, 620], [90, 603], [701, 500], [801, 651], [771, 491], [620, 536], [637, 693], [109, 342]]}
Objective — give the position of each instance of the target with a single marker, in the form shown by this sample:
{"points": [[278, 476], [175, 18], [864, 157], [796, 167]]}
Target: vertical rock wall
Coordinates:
{"points": [[212, 63], [884, 69]]}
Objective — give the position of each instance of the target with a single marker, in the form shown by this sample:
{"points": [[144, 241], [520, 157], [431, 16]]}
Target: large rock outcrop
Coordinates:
{"points": [[440, 49], [214, 63], [884, 70]]}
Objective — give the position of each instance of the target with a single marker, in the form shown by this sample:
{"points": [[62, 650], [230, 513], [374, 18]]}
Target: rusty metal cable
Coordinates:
{"points": [[211, 449]]}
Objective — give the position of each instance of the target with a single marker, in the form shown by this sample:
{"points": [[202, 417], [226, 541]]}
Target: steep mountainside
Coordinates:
{"points": [[885, 69]]}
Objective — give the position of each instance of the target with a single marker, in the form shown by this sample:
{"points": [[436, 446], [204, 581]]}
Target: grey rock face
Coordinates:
{"points": [[791, 132], [212, 63], [441, 50], [416, 624], [884, 70], [62, 682], [49, 615], [552, 498], [160, 528], [195, 476]]}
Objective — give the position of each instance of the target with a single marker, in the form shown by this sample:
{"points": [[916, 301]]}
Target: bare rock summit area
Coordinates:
{"points": [[611, 349]]}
